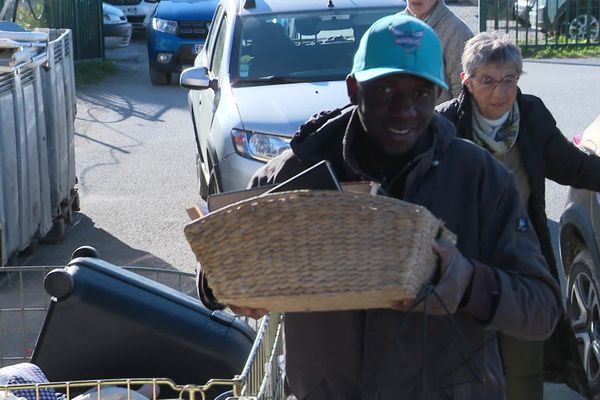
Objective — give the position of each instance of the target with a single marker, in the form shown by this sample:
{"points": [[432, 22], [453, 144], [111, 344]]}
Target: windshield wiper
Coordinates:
{"points": [[272, 80]]}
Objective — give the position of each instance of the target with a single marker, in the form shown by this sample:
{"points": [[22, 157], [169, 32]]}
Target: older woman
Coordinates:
{"points": [[520, 131]]}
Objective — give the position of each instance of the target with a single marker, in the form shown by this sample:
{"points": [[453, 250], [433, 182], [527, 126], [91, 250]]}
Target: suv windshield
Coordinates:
{"points": [[300, 47]]}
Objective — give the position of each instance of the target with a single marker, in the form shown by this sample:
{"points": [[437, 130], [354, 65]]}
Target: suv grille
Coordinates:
{"points": [[193, 29], [124, 2], [136, 19]]}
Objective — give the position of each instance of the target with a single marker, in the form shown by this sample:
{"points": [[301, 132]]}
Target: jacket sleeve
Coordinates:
{"points": [[564, 162], [278, 170], [512, 289]]}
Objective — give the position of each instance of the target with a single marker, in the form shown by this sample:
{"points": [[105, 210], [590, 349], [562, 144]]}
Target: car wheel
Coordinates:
{"points": [[203, 185], [577, 28], [159, 78], [213, 186], [583, 308]]}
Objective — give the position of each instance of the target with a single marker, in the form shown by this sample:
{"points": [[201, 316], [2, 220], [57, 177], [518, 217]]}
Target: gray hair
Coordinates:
{"points": [[490, 47]]}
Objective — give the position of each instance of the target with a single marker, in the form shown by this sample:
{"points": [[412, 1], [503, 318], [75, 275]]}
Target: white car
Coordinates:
{"points": [[266, 67], [116, 30], [138, 12], [577, 19]]}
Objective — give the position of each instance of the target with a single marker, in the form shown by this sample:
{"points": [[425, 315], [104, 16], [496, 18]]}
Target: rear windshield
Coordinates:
{"points": [[303, 47]]}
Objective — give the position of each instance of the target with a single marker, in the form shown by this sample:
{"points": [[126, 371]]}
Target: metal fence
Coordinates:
{"points": [[83, 17], [542, 23]]}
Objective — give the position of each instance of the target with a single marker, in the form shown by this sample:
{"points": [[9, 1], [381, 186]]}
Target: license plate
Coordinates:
{"points": [[197, 48], [131, 11]]}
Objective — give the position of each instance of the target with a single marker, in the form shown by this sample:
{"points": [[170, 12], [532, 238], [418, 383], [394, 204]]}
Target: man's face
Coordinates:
{"points": [[421, 8], [395, 110]]}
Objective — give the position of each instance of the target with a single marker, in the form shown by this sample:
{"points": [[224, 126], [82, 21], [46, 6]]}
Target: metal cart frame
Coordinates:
{"points": [[261, 378]]}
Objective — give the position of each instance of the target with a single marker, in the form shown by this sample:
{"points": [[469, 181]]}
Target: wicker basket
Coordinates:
{"points": [[316, 250]]}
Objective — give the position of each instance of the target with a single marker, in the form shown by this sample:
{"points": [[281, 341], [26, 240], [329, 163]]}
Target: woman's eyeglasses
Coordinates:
{"points": [[489, 84]]}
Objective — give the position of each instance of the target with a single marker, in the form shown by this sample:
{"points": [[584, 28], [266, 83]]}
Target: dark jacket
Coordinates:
{"points": [[545, 153], [378, 354]]}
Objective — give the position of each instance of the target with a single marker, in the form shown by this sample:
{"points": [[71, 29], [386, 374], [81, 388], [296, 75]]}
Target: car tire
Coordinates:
{"points": [[583, 308], [203, 185], [576, 28], [213, 186], [159, 78]]}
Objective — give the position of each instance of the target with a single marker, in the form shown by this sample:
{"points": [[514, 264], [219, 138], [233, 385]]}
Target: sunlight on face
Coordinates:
{"points": [[421, 8], [494, 88]]}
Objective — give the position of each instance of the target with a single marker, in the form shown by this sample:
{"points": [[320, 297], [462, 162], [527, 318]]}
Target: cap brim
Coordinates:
{"points": [[374, 73]]}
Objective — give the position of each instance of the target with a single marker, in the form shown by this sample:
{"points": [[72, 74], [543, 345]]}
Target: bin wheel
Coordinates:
{"points": [[159, 78], [59, 283], [75, 204], [85, 251]]}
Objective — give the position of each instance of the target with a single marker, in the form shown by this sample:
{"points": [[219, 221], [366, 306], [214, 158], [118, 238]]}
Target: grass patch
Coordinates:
{"points": [[89, 72], [559, 47], [561, 52]]}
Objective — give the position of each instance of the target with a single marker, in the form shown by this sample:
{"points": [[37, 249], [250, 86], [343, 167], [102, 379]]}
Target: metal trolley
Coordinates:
{"points": [[23, 305]]}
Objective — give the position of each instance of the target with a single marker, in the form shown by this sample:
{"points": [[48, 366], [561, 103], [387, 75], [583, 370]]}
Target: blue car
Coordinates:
{"points": [[176, 34]]}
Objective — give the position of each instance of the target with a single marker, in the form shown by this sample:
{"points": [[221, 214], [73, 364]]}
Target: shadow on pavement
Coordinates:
{"points": [[83, 232]]}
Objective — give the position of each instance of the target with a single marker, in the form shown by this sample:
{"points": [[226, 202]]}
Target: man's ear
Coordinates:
{"points": [[352, 87]]}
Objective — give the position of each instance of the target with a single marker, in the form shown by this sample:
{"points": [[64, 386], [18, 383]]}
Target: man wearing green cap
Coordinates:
{"points": [[494, 279]]}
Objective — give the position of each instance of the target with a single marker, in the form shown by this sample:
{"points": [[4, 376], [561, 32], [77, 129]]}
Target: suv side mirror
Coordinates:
{"points": [[197, 78]]}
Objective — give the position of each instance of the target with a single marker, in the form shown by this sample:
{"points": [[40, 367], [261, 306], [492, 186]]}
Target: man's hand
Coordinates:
{"points": [[456, 273], [255, 313]]}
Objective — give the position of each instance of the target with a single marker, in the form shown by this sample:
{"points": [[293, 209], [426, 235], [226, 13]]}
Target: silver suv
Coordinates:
{"points": [[580, 255], [267, 66]]}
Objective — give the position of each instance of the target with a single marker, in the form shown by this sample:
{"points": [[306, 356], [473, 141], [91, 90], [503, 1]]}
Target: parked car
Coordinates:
{"points": [[570, 17], [176, 34], [115, 29], [580, 254], [267, 66], [137, 11]]}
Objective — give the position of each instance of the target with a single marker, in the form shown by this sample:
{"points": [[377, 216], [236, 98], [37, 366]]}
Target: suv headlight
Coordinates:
{"points": [[259, 146], [164, 25]]}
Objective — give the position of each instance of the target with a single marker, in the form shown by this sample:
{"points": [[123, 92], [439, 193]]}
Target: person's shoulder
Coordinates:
{"points": [[448, 109], [533, 109], [461, 29], [449, 21], [319, 120], [533, 102]]}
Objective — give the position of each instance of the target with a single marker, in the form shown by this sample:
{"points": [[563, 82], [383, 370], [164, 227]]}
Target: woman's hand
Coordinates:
{"points": [[255, 313]]}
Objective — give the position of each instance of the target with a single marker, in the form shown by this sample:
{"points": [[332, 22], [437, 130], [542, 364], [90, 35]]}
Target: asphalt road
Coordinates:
{"points": [[135, 161]]}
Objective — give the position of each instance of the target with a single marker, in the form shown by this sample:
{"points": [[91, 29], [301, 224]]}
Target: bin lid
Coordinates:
{"points": [[21, 36]]}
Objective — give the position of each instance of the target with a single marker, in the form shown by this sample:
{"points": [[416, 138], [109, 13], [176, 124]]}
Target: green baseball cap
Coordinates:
{"points": [[399, 43]]}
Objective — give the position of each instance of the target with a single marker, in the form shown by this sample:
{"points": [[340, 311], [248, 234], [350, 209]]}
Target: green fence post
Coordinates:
{"points": [[483, 15]]}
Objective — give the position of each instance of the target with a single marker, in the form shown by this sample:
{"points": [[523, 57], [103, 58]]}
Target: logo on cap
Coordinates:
{"points": [[407, 39]]}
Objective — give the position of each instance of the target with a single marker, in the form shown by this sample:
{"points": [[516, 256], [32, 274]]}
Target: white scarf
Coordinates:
{"points": [[497, 135]]}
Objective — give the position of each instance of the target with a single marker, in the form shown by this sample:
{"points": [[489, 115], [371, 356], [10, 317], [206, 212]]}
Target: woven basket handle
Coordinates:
{"points": [[446, 234]]}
